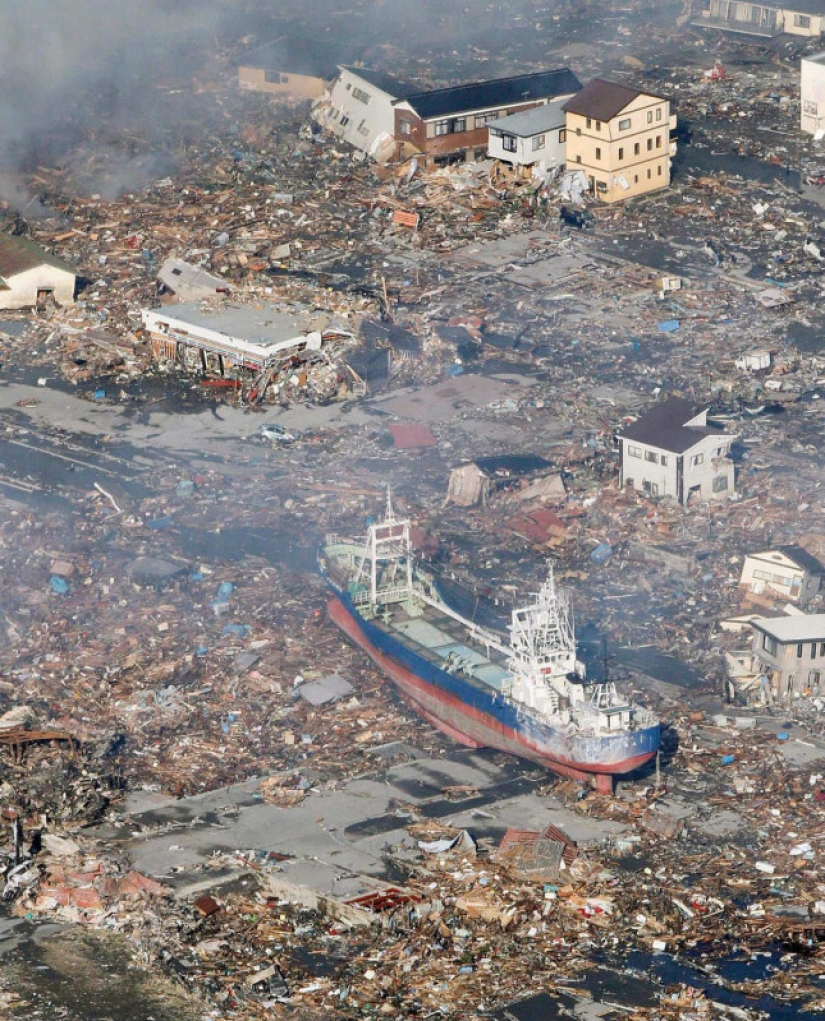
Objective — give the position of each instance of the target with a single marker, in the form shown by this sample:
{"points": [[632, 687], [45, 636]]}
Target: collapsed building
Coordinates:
{"points": [[237, 340]]}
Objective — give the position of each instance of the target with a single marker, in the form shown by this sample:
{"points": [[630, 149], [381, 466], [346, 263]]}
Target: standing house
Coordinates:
{"points": [[672, 451], [787, 572], [294, 68], [31, 277], [790, 652], [804, 18], [812, 94], [533, 140], [621, 138], [450, 125], [361, 111]]}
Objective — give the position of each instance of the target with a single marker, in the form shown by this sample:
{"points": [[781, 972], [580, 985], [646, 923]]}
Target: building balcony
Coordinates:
{"points": [[764, 31]]}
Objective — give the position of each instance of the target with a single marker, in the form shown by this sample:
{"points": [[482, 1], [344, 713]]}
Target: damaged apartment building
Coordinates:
{"points": [[275, 347], [673, 452], [387, 119]]}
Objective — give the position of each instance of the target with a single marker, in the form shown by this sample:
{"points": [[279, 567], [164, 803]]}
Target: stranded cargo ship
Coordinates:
{"points": [[526, 694]]}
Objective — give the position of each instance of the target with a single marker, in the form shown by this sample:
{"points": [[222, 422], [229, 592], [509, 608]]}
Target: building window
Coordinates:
{"points": [[720, 484], [769, 645], [363, 129], [659, 171], [538, 142], [658, 113], [813, 650], [624, 125], [274, 78], [801, 21], [663, 458], [598, 125], [485, 118], [361, 96], [634, 451], [649, 116], [650, 145], [601, 186], [508, 143], [589, 123], [652, 456], [658, 141], [598, 153], [648, 173], [579, 133], [406, 128], [697, 459], [822, 648], [621, 154], [635, 178], [578, 159], [799, 651], [344, 120], [636, 149], [451, 127], [562, 136], [809, 106]]}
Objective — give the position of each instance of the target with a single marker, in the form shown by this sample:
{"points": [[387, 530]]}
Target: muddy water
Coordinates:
{"points": [[52, 971]]}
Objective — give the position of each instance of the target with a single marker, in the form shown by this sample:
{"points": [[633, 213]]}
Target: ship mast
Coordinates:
{"points": [[388, 541], [542, 648]]}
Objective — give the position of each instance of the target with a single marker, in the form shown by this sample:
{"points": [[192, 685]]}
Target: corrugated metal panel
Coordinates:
{"points": [[424, 633]]}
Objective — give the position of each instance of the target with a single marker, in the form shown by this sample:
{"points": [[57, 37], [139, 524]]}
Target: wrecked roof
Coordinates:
{"points": [[603, 100], [17, 255], [494, 93], [665, 427], [380, 80], [187, 281]]}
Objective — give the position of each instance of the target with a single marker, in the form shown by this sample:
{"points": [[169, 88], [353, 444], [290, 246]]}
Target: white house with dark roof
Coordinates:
{"points": [[360, 110], [31, 277], [790, 652], [673, 452], [785, 572], [533, 139]]}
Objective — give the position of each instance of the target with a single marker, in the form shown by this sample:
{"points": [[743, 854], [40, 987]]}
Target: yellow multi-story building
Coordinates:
{"points": [[620, 138]]}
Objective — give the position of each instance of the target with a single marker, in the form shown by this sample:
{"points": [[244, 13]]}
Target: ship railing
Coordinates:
{"points": [[331, 539], [395, 594]]}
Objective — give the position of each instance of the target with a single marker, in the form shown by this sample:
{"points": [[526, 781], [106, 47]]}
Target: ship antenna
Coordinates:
{"points": [[390, 516]]}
